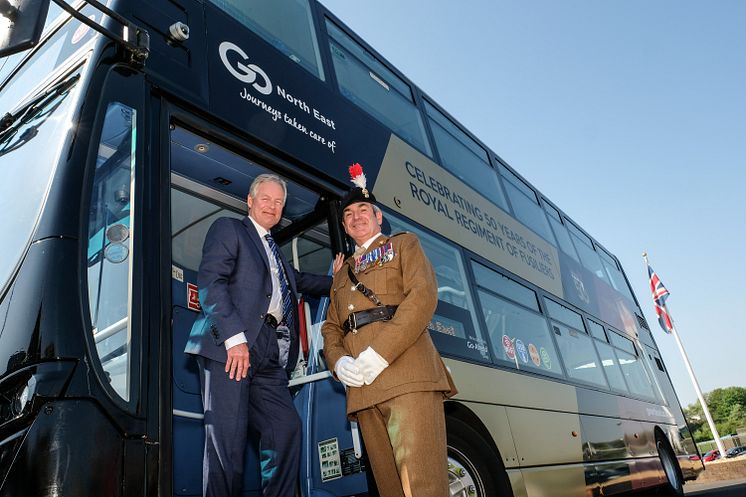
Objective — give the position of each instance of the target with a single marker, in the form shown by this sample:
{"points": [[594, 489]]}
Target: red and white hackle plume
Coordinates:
{"points": [[357, 176]]}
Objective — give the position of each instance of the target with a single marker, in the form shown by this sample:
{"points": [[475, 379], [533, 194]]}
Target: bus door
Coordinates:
{"points": [[209, 181]]}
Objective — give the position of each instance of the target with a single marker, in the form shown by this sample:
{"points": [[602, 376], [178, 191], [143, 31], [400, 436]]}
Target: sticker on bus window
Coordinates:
{"points": [[193, 298], [177, 273], [520, 349], [330, 464], [545, 358], [534, 353], [508, 346]]}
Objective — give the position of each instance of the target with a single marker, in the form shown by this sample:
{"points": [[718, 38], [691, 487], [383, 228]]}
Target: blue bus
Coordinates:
{"points": [[128, 129]]}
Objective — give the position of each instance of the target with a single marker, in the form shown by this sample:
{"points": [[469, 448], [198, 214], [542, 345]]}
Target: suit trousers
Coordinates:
{"points": [[405, 438], [259, 405]]}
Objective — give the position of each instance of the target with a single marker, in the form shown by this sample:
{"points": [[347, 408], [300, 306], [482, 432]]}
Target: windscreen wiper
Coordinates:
{"points": [[134, 39], [36, 103]]}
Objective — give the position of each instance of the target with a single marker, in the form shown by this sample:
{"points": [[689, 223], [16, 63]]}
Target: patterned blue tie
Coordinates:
{"points": [[287, 299]]}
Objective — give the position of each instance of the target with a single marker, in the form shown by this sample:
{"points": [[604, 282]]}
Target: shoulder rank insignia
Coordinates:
{"points": [[378, 256]]}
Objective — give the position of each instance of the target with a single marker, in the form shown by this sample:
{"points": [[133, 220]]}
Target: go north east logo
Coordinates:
{"points": [[251, 74]]}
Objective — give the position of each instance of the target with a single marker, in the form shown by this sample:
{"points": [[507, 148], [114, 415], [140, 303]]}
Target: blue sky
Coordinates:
{"points": [[629, 115]]}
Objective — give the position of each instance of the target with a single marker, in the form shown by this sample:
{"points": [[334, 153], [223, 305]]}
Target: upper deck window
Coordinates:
{"points": [[560, 232], [588, 257], [464, 157], [614, 273], [377, 90], [286, 24], [526, 205]]}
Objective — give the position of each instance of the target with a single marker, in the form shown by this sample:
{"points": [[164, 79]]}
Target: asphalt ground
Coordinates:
{"points": [[725, 488]]}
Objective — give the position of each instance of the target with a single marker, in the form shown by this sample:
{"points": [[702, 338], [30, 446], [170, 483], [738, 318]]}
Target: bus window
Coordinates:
{"points": [[464, 157], [621, 342], [502, 285], [578, 355], [597, 331], [28, 150], [520, 338], [526, 205], [374, 88], [285, 24], [588, 257], [564, 314], [53, 53], [658, 372], [636, 376], [611, 366], [615, 275], [453, 325], [560, 232], [110, 236]]}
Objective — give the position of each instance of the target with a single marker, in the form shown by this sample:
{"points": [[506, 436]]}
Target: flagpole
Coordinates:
{"points": [[695, 383], [701, 397]]}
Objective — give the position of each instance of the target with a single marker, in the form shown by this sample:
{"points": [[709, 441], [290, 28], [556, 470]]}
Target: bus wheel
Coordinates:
{"points": [[470, 472], [674, 487]]}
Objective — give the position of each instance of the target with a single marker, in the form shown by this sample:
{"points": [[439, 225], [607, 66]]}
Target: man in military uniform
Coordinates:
{"points": [[377, 342]]}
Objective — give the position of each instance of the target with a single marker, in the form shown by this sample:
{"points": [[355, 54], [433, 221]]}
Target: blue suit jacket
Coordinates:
{"points": [[235, 288]]}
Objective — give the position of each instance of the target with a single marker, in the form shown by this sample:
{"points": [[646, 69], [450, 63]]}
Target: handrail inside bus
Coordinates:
{"points": [[110, 330]]}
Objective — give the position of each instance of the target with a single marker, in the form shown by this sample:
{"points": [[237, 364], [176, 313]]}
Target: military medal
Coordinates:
{"points": [[376, 257]]}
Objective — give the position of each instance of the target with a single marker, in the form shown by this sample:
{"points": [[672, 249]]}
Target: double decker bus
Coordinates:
{"points": [[127, 132]]}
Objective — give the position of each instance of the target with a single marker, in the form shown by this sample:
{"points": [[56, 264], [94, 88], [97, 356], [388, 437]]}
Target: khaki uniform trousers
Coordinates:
{"points": [[405, 438]]}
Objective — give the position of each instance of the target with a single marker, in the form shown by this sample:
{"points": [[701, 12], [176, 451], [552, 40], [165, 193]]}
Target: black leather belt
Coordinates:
{"points": [[271, 321], [357, 320]]}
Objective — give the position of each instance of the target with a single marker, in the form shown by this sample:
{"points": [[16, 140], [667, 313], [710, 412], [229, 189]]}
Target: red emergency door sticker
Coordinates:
{"points": [[193, 297]]}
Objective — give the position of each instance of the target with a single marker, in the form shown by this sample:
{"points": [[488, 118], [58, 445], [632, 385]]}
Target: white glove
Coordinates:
{"points": [[370, 364], [347, 372]]}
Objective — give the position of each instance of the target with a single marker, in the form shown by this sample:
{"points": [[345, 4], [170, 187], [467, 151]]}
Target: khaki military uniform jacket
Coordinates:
{"points": [[407, 280]]}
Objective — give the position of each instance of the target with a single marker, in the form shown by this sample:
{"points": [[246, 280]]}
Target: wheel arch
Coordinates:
{"points": [[455, 410]]}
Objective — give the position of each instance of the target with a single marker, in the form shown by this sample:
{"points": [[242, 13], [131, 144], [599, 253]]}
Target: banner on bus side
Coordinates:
{"points": [[414, 185]]}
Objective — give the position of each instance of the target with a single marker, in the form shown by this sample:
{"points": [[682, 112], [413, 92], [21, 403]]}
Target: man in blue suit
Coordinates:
{"points": [[246, 343]]}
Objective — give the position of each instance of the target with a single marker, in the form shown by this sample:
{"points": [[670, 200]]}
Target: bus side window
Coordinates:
{"points": [[109, 251], [454, 327]]}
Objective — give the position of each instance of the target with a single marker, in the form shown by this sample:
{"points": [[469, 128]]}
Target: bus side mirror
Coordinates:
{"points": [[23, 21]]}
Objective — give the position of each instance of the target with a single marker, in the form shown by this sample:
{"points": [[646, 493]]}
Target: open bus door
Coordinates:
{"points": [[209, 181]]}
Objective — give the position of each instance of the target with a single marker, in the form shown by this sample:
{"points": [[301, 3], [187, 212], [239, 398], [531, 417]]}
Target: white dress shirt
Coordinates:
{"points": [[361, 249], [275, 303]]}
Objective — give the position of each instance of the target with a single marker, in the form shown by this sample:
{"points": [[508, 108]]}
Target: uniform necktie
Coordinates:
{"points": [[287, 299]]}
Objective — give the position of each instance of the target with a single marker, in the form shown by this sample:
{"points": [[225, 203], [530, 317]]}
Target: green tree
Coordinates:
{"points": [[727, 407]]}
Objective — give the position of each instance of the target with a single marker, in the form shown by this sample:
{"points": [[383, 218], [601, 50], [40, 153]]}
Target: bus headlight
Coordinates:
{"points": [[13, 402]]}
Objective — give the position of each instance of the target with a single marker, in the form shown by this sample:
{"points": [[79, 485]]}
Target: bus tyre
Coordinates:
{"points": [[473, 468], [674, 486]]}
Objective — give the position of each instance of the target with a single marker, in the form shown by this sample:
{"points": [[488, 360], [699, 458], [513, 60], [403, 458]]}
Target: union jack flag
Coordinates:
{"points": [[660, 294]]}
